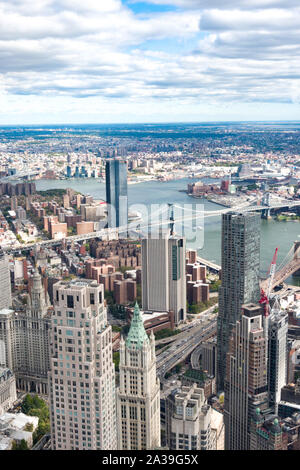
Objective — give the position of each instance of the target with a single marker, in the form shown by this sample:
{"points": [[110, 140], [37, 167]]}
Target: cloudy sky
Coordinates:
{"points": [[97, 61]]}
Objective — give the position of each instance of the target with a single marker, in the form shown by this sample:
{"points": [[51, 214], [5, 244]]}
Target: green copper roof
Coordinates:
{"points": [[137, 334]]}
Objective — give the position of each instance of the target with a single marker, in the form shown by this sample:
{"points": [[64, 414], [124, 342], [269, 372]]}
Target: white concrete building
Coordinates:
{"points": [[277, 355], [13, 429], [82, 376], [8, 393], [191, 421], [138, 397], [217, 429], [163, 275]]}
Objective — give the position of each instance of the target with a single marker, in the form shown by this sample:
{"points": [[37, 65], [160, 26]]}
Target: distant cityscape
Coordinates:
{"points": [[120, 332]]}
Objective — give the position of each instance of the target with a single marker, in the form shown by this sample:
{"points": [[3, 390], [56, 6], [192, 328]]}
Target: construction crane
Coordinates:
{"points": [[265, 298]]}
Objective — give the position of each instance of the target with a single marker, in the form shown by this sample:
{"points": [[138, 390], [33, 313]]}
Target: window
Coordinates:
{"points": [[70, 301]]}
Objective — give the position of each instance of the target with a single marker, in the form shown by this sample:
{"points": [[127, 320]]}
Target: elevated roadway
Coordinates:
{"points": [[180, 350]]}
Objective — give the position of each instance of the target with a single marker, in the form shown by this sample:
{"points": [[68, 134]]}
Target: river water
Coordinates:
{"points": [[273, 234]]}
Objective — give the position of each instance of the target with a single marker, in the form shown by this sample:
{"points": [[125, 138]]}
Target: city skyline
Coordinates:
{"points": [[189, 411], [149, 175]]}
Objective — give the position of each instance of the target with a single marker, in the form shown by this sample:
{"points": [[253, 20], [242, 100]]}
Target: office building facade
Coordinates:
{"points": [[277, 355], [138, 397], [240, 277], [25, 339], [8, 392], [246, 386], [82, 374], [116, 193], [164, 276], [5, 284]]}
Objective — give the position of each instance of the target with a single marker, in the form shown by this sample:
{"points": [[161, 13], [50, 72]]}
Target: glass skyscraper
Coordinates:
{"points": [[116, 192], [240, 277]]}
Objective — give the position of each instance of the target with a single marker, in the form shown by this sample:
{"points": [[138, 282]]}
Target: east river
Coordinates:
{"points": [[208, 240]]}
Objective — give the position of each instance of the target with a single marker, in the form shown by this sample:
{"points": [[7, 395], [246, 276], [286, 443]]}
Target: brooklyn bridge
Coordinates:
{"points": [[289, 265]]}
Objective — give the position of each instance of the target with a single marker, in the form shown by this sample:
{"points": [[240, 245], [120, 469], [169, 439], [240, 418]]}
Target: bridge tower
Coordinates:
{"points": [[266, 213], [171, 218], [296, 256]]}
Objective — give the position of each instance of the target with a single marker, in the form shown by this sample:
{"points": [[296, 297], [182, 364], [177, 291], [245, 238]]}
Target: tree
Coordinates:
{"points": [[28, 427], [27, 404], [116, 359], [125, 330], [214, 286], [22, 445], [251, 187], [36, 406], [109, 297], [165, 333], [116, 328]]}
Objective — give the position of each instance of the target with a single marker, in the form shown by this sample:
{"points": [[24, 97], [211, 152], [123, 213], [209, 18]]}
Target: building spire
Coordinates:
{"points": [[137, 335]]}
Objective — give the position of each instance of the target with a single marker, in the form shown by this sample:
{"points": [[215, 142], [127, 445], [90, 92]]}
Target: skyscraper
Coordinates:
{"points": [[116, 192], [82, 376], [163, 275], [277, 354], [246, 385], [240, 277], [35, 329], [24, 340], [5, 285], [138, 397]]}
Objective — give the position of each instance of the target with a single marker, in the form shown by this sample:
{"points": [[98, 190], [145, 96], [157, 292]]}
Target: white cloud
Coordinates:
{"points": [[225, 4], [68, 54], [267, 20]]}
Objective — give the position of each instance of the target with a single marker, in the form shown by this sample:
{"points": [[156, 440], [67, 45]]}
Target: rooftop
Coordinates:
{"points": [[6, 311], [137, 335]]}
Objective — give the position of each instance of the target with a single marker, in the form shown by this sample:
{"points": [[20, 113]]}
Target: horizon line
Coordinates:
{"points": [[148, 123]]}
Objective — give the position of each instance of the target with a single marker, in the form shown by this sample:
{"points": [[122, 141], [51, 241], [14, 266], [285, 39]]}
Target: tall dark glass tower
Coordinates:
{"points": [[116, 192], [240, 277]]}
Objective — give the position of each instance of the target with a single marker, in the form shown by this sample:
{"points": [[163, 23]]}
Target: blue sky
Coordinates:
{"points": [[152, 61], [146, 7]]}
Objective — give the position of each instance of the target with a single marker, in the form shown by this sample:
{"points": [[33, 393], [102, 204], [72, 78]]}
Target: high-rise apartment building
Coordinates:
{"points": [[240, 277], [163, 275], [82, 375], [5, 285], [190, 427], [25, 340], [246, 385], [277, 355], [138, 397], [116, 192]]}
